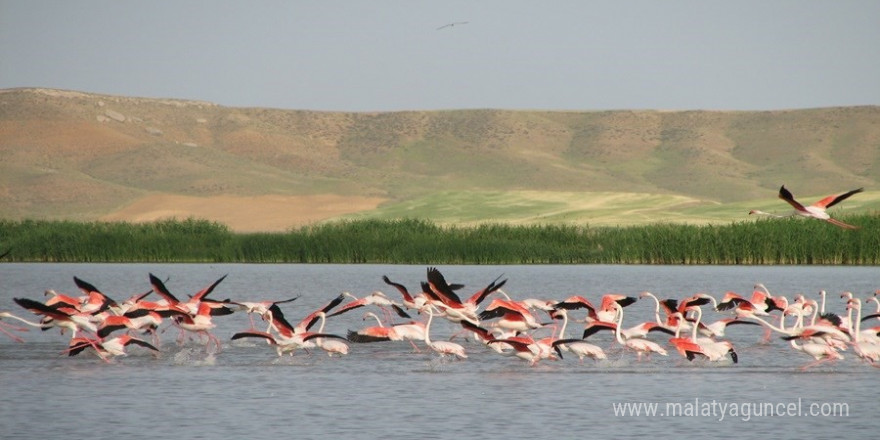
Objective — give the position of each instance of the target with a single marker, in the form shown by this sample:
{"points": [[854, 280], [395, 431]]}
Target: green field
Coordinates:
{"points": [[468, 208]]}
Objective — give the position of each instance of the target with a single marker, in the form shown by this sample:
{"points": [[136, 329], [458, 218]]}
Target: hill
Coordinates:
{"points": [[82, 156]]}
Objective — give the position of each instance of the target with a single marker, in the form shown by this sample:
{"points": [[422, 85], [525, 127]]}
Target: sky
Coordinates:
{"points": [[376, 55]]}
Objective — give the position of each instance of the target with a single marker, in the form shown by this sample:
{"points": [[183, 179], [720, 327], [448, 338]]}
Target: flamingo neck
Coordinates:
{"points": [[699, 313], [428, 326], [564, 324], [619, 325], [858, 322]]}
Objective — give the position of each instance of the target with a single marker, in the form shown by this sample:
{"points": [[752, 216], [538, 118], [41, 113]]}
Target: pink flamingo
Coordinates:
{"points": [[443, 348], [816, 210]]}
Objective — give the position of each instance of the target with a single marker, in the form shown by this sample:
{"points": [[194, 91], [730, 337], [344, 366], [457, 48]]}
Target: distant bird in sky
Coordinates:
{"points": [[454, 23], [816, 210]]}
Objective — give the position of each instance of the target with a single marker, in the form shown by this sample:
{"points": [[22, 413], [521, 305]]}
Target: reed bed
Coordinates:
{"points": [[416, 241]]}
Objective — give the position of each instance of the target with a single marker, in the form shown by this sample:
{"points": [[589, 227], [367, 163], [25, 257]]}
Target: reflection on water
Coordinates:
{"points": [[387, 390]]}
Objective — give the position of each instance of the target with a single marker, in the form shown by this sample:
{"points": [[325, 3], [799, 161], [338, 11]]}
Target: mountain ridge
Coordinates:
{"points": [[83, 156]]}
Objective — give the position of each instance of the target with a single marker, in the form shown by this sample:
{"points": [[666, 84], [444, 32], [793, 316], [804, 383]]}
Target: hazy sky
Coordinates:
{"points": [[388, 55]]}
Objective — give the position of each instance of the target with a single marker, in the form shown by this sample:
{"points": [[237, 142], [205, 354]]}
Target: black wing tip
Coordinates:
{"points": [[627, 301]]}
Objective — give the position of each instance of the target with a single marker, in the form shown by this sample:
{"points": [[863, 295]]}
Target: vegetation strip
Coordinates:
{"points": [[416, 241]]}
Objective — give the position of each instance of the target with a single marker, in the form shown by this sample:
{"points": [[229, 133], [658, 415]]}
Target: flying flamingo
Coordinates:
{"points": [[443, 295], [94, 300], [513, 316], [259, 307], [409, 301], [70, 320], [606, 312], [816, 210], [73, 321], [376, 298]]}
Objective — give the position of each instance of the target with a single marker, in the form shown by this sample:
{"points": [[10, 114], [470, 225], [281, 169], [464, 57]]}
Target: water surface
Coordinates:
{"points": [[386, 390]]}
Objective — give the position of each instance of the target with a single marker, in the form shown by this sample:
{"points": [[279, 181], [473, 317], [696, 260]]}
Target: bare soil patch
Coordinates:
{"points": [[272, 213]]}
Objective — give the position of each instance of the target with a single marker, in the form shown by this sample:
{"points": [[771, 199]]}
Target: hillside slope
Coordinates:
{"points": [[74, 155]]}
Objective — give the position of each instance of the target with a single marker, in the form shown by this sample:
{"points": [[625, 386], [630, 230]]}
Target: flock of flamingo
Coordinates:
{"points": [[506, 326]]}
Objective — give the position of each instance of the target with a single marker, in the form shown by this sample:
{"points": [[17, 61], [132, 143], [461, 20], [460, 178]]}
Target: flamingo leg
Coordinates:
{"points": [[817, 362], [13, 337]]}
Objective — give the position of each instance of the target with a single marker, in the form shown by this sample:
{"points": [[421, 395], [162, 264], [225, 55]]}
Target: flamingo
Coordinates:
{"points": [[637, 344], [94, 300], [741, 306], [376, 298], [73, 321], [259, 307], [867, 349], [712, 349], [820, 351], [526, 348], [442, 347], [61, 300], [286, 344], [607, 310], [411, 331], [409, 301], [443, 295], [200, 323], [107, 347], [291, 337], [513, 316], [578, 347], [816, 210], [575, 302], [194, 303], [333, 345]]}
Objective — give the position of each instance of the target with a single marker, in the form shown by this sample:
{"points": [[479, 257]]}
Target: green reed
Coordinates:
{"points": [[416, 241]]}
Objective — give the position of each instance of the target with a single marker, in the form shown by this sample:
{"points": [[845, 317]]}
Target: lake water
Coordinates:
{"points": [[385, 390]]}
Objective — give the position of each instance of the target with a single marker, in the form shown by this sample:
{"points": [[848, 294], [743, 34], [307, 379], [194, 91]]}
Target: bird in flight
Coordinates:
{"points": [[454, 23], [816, 210]]}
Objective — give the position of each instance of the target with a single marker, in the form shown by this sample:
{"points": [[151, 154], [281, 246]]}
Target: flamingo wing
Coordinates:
{"points": [[830, 201], [438, 285], [141, 342], [597, 326], [400, 288], [350, 306], [786, 195], [204, 292], [369, 334], [90, 289], [77, 345], [39, 308], [478, 297], [312, 318], [254, 334], [161, 290]]}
